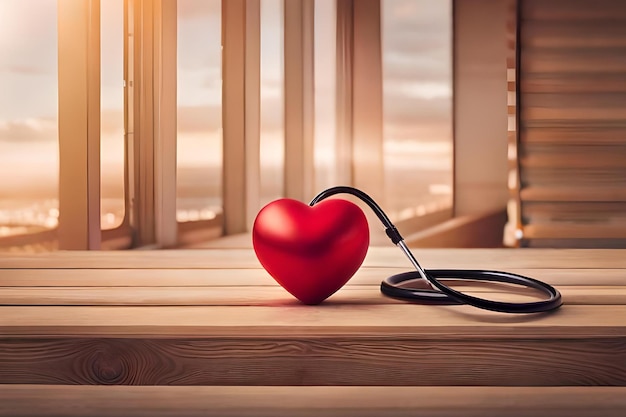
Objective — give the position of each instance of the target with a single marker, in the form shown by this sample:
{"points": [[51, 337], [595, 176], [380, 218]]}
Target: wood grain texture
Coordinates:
{"points": [[574, 194], [199, 322], [442, 401], [330, 318], [608, 229], [398, 361], [573, 11], [274, 295], [376, 257], [259, 277], [572, 116], [552, 133]]}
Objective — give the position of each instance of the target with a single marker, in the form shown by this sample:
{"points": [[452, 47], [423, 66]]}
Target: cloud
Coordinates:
{"points": [[418, 89], [111, 121], [30, 69], [194, 9], [417, 40], [416, 69], [194, 119], [405, 110], [28, 130], [403, 13]]}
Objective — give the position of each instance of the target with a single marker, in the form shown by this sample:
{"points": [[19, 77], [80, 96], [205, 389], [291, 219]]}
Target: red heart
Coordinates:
{"points": [[311, 251]]}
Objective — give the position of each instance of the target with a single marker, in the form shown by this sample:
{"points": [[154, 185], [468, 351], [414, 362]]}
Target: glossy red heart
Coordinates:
{"points": [[311, 251]]}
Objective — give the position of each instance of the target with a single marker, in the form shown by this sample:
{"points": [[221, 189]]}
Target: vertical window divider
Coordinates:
{"points": [[154, 123], [129, 120], [299, 174], [79, 124], [165, 113], [343, 144], [360, 96], [513, 230], [240, 112], [367, 99], [252, 80], [479, 70], [142, 144]]}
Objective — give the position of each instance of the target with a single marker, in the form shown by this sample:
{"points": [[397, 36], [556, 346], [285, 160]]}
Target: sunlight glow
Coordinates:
{"points": [[417, 92]]}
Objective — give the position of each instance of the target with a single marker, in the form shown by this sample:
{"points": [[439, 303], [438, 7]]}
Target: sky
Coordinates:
{"points": [[416, 68]]}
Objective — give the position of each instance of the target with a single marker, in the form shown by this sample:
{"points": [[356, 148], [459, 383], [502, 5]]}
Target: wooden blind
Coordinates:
{"points": [[572, 122]]}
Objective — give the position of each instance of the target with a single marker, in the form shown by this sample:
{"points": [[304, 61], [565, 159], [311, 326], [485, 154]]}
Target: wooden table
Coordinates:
{"points": [[208, 332]]}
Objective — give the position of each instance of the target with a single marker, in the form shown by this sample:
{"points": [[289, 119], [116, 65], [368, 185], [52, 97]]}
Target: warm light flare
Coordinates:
{"points": [[8, 23]]}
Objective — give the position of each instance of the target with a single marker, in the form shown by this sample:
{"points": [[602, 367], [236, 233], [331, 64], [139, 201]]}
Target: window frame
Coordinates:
{"points": [[150, 120]]}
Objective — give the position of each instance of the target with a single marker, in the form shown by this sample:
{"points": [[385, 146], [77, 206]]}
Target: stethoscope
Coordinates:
{"points": [[442, 294]]}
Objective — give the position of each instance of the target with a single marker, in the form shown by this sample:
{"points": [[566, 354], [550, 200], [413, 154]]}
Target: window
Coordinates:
{"points": [[199, 96], [272, 145], [112, 113], [417, 102], [349, 125], [29, 152], [325, 73]]}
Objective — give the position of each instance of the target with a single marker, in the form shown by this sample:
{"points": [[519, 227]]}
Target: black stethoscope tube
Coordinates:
{"points": [[442, 294]]}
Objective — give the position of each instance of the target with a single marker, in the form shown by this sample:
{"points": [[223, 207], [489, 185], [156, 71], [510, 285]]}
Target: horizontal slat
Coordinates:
{"points": [[560, 100], [575, 243], [574, 211], [393, 320], [590, 230], [574, 135], [597, 177], [573, 60], [377, 256], [568, 83], [565, 115], [583, 125], [274, 295], [87, 401], [573, 10], [574, 157], [374, 359], [574, 193], [181, 278], [568, 34]]}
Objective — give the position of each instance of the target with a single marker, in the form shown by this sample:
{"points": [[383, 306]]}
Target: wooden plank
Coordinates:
{"points": [[141, 118], [376, 257], [79, 124], [275, 295], [569, 34], [580, 212], [606, 158], [84, 401], [164, 65], [234, 116], [570, 230], [585, 179], [576, 243], [331, 318], [373, 360], [574, 193], [595, 82], [584, 100], [573, 60], [367, 162], [561, 114], [573, 10], [299, 95], [258, 277], [252, 100]]}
